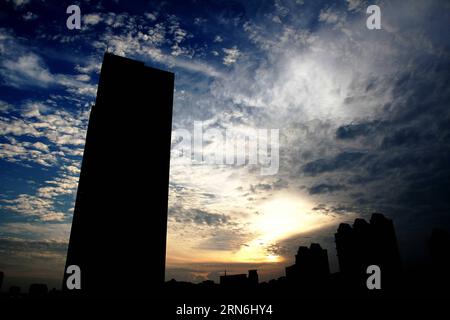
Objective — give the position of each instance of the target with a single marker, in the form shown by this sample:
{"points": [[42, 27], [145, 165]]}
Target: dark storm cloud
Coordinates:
{"points": [[325, 188], [406, 170], [203, 217], [198, 217], [344, 160], [352, 131]]}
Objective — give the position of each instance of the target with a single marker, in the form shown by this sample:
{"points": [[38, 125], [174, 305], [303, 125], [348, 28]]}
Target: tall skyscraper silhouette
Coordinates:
{"points": [[118, 236], [368, 244]]}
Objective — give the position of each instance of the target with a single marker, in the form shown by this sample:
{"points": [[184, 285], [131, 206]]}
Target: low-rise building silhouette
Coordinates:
{"points": [[311, 266], [439, 244], [253, 278], [38, 290], [14, 291], [240, 280]]}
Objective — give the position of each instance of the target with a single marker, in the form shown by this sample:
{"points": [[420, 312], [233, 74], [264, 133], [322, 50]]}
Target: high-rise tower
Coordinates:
{"points": [[118, 236]]}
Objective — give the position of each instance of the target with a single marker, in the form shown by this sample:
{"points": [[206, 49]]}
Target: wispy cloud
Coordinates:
{"points": [[231, 55]]}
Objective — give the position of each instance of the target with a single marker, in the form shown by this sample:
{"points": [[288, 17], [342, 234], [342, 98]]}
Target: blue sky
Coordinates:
{"points": [[363, 118]]}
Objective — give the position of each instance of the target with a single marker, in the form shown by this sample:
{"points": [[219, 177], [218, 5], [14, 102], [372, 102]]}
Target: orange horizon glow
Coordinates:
{"points": [[281, 217]]}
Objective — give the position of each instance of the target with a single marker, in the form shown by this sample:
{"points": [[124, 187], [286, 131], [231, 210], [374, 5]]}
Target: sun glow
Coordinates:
{"points": [[279, 219]]}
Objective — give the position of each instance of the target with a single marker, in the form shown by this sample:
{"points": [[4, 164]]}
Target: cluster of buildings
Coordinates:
{"points": [[358, 246]]}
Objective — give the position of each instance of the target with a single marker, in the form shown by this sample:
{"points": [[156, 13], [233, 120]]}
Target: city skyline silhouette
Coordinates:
{"points": [[309, 277], [109, 185], [361, 118]]}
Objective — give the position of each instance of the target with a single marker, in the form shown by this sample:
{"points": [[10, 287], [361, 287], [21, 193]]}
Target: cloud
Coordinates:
{"points": [[37, 231], [89, 67], [332, 17], [22, 68], [199, 21], [28, 205], [344, 160], [325, 188], [5, 106], [203, 217], [38, 153], [231, 55], [356, 111], [18, 4], [355, 5], [148, 46], [48, 137], [27, 69], [355, 130], [25, 261], [150, 16], [91, 19], [49, 127], [29, 16]]}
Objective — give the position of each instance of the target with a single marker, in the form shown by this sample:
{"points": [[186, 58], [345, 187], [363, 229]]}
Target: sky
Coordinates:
{"points": [[363, 119]]}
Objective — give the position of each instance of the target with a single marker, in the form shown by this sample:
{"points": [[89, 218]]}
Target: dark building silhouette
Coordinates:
{"points": [[309, 278], [236, 281], [367, 244], [118, 236], [233, 280], [14, 291], [253, 278], [311, 266], [38, 290], [2, 275], [439, 246]]}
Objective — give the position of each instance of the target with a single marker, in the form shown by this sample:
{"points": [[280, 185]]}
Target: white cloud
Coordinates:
{"points": [[231, 55], [150, 16], [72, 169], [21, 67], [355, 5], [330, 16], [40, 146], [18, 3], [89, 67], [29, 16], [144, 47], [54, 131], [199, 21], [29, 205], [5, 106], [27, 69], [57, 232], [83, 77], [276, 19], [91, 19]]}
